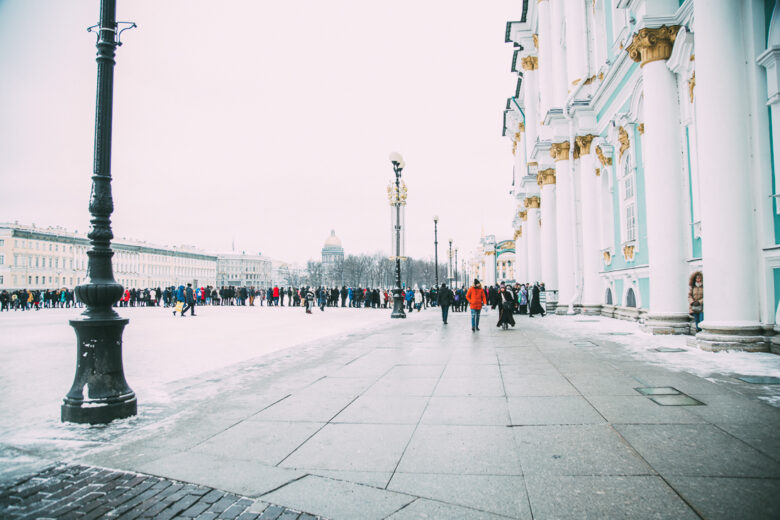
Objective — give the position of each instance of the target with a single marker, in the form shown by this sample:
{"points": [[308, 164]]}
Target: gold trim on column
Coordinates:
{"points": [[583, 143], [605, 161], [652, 44], [533, 202], [560, 151], [545, 177], [625, 142], [529, 62], [691, 84]]}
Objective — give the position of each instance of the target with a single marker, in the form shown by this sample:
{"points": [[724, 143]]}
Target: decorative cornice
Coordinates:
{"points": [[545, 177], [605, 161], [530, 62], [533, 202], [560, 151], [625, 143], [650, 45]]}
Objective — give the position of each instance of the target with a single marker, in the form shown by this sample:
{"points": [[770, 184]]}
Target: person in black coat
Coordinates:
{"points": [[506, 306], [536, 305], [445, 300]]}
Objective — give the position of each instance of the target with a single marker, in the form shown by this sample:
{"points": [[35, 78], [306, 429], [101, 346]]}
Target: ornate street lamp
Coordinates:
{"points": [[495, 261], [100, 393], [397, 196], [436, 248]]}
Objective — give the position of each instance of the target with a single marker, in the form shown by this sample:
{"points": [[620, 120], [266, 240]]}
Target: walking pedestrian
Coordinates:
{"points": [[536, 304], [190, 300], [506, 307], [476, 299], [696, 298], [445, 300]]}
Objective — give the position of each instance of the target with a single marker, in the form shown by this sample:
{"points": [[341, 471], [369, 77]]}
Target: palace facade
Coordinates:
{"points": [[643, 136]]}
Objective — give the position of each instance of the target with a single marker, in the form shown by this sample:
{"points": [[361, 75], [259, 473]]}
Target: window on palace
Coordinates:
{"points": [[630, 298], [29, 280], [2, 242], [2, 259], [1, 279], [608, 296], [49, 247], [628, 202], [37, 259], [36, 280]]}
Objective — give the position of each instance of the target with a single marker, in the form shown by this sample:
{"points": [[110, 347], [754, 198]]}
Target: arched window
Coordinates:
{"points": [[608, 296], [630, 298]]}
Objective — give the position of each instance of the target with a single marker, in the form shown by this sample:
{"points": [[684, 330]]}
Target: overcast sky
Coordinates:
{"points": [[262, 121]]}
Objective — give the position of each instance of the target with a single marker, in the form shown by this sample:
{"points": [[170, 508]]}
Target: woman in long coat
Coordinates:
{"points": [[536, 305], [506, 306]]}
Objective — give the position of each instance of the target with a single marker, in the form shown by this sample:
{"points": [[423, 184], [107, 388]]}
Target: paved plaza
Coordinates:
{"points": [[560, 417]]}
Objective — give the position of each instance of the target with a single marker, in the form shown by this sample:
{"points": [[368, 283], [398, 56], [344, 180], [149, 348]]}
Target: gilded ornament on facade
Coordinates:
{"points": [[625, 143], [517, 137], [607, 257], [598, 172], [536, 40], [576, 81], [605, 161], [560, 151], [519, 234], [533, 202], [546, 177], [691, 84], [583, 142], [652, 44], [523, 214], [529, 63], [521, 126], [590, 80], [641, 128], [533, 164], [628, 253], [601, 76]]}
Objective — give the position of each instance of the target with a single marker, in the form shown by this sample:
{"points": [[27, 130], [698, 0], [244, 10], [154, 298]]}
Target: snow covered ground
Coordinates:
{"points": [[692, 360], [38, 350]]}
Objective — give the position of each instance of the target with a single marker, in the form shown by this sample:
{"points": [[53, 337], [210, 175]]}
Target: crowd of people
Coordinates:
{"points": [[29, 299]]}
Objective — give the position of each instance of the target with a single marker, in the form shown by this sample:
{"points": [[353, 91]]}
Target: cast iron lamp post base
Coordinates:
{"points": [[398, 304]]}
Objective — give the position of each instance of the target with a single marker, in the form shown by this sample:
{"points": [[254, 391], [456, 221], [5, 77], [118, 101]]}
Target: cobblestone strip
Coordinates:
{"points": [[88, 493]]}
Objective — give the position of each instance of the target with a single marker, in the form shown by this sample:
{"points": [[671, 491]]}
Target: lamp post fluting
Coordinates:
{"points": [[99, 393], [449, 273], [436, 248], [457, 280], [397, 198]]}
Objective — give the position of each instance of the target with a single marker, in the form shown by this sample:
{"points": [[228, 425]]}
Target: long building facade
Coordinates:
{"points": [[53, 257], [643, 145]]}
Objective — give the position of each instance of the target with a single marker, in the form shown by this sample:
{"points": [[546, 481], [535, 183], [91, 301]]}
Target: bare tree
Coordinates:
{"points": [[314, 272]]}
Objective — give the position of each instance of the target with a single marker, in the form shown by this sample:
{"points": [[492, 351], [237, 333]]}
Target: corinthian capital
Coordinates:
{"points": [[560, 151], [583, 143], [545, 177], [533, 202], [530, 62], [652, 44]]}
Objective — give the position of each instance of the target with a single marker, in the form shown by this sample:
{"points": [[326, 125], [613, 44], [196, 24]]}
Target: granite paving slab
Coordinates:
{"points": [[316, 495], [638, 409], [467, 410], [550, 410], [372, 408], [423, 509], [730, 498], [502, 495], [696, 450]]}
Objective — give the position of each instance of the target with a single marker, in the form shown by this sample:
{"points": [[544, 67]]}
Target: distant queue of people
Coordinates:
{"points": [[37, 299]]}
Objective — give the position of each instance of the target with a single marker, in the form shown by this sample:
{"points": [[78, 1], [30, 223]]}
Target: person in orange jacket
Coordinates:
{"points": [[476, 299]]}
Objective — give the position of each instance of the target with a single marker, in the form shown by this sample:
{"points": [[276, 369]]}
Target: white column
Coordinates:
{"points": [[576, 42], [518, 149], [560, 83], [545, 59], [728, 234], [565, 226], [549, 257], [591, 226], [531, 225], [667, 224], [530, 66], [521, 254]]}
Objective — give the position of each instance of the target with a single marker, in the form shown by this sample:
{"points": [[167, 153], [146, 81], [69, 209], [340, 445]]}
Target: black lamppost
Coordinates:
{"points": [[436, 247], [100, 393], [449, 274], [397, 199]]}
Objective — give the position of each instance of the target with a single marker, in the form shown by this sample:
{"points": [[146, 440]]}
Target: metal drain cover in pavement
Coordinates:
{"points": [[587, 321], [658, 390], [668, 349], [617, 333], [760, 380], [584, 344], [676, 400]]}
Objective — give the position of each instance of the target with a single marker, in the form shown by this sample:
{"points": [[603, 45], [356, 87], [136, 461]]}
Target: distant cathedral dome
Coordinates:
{"points": [[332, 251], [333, 241]]}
